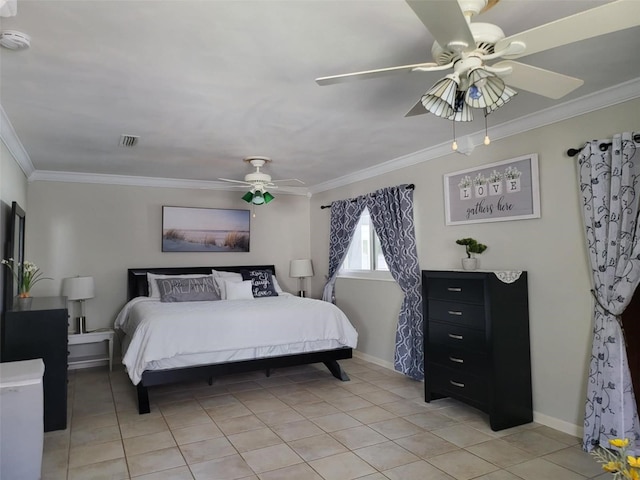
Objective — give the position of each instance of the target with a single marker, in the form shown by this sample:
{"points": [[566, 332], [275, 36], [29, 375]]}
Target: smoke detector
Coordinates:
{"points": [[14, 40]]}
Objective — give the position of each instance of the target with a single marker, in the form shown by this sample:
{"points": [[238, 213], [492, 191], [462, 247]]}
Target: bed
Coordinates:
{"points": [[165, 342]]}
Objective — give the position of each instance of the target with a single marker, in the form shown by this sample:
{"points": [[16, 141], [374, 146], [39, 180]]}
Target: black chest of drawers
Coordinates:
{"points": [[40, 331], [476, 343]]}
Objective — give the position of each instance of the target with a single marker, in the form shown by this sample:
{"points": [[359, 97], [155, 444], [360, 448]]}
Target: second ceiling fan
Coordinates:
{"points": [[259, 182], [469, 49]]}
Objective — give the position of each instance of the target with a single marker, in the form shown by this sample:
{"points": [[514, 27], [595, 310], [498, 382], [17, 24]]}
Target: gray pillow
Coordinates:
{"points": [[187, 289]]}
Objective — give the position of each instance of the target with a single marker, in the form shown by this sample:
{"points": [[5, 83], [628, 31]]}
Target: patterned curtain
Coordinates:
{"points": [[611, 202], [391, 211], [345, 215]]}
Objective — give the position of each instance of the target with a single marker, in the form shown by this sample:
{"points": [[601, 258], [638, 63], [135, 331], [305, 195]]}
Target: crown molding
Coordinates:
{"points": [[130, 180], [580, 106], [14, 145]]}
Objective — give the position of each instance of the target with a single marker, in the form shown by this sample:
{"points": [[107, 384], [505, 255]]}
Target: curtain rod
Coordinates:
{"points": [[411, 186], [572, 152]]}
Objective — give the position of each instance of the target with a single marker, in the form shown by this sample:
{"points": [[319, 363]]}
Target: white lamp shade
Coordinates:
{"points": [[301, 268], [484, 90], [507, 95], [440, 98], [78, 288]]}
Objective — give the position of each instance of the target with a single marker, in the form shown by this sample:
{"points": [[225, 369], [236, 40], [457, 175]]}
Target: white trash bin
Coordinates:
{"points": [[21, 419]]}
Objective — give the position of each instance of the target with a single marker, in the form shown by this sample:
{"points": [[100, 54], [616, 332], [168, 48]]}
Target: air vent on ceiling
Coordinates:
{"points": [[129, 140]]}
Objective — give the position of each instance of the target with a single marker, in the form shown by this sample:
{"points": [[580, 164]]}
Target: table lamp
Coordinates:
{"points": [[301, 269], [79, 289]]}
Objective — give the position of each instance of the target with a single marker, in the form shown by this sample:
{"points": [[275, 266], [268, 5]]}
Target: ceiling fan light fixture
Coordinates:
{"points": [[441, 97], [507, 95], [485, 88], [267, 197], [247, 197], [258, 198], [461, 111]]}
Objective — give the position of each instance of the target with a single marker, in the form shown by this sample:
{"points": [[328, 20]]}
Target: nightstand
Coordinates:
{"points": [[93, 337]]}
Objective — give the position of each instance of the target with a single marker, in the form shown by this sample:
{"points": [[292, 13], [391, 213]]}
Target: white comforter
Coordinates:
{"points": [[282, 324]]}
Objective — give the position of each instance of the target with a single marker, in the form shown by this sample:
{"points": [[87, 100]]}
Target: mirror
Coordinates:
{"points": [[15, 250]]}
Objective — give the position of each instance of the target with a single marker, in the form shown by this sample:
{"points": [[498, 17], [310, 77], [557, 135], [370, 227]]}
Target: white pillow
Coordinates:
{"points": [[238, 290], [221, 287], [223, 274], [276, 285], [154, 290]]}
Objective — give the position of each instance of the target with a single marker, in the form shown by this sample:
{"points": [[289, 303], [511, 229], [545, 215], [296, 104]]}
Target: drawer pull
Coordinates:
{"points": [[454, 289], [454, 312], [457, 360], [456, 384], [457, 337]]}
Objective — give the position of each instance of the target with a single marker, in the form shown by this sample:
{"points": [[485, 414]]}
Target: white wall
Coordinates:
{"points": [[551, 249], [13, 181], [102, 230], [13, 188]]}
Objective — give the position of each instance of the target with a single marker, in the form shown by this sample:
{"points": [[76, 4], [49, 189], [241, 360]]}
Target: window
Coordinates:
{"points": [[365, 251]]}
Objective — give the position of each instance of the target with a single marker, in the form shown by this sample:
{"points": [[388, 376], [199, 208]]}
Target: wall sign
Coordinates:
{"points": [[496, 192]]}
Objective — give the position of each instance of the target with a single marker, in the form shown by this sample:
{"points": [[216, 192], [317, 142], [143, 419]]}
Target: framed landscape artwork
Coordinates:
{"points": [[495, 192], [188, 229]]}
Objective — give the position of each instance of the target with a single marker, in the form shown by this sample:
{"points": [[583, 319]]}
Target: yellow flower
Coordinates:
{"points": [[612, 466], [620, 442], [633, 461], [633, 474]]}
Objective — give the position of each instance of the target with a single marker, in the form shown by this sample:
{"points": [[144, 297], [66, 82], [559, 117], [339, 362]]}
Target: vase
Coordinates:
{"points": [[22, 303], [469, 263]]}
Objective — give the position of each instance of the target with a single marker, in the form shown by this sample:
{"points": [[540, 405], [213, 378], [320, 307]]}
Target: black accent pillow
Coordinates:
{"points": [[261, 283], [187, 289]]}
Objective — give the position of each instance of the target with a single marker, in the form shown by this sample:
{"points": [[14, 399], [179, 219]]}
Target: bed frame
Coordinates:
{"points": [[137, 286]]}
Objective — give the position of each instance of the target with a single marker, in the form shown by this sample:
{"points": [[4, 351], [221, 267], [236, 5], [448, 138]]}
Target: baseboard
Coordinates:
{"points": [[542, 419], [557, 424], [374, 360], [87, 364]]}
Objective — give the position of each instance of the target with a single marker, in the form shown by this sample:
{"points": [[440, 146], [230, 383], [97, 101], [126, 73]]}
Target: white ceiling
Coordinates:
{"points": [[206, 83]]}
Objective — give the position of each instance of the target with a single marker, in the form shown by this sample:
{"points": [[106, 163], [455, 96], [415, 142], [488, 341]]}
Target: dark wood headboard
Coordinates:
{"points": [[137, 277]]}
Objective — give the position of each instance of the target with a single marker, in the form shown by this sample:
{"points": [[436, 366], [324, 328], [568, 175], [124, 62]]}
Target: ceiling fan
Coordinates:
{"points": [[259, 182], [469, 49]]}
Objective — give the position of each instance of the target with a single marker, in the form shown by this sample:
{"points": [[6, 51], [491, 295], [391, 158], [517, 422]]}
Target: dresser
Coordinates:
{"points": [[39, 330], [476, 342]]}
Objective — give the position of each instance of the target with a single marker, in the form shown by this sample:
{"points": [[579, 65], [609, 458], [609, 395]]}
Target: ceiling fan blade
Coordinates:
{"points": [[234, 181], [296, 190], [380, 72], [417, 109], [288, 180], [611, 17], [446, 22], [538, 80]]}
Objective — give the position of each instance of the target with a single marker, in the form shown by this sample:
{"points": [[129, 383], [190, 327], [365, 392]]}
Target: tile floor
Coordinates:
{"points": [[298, 424]]}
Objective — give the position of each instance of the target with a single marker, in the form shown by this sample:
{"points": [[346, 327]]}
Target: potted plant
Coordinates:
{"points": [[26, 274], [471, 247]]}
